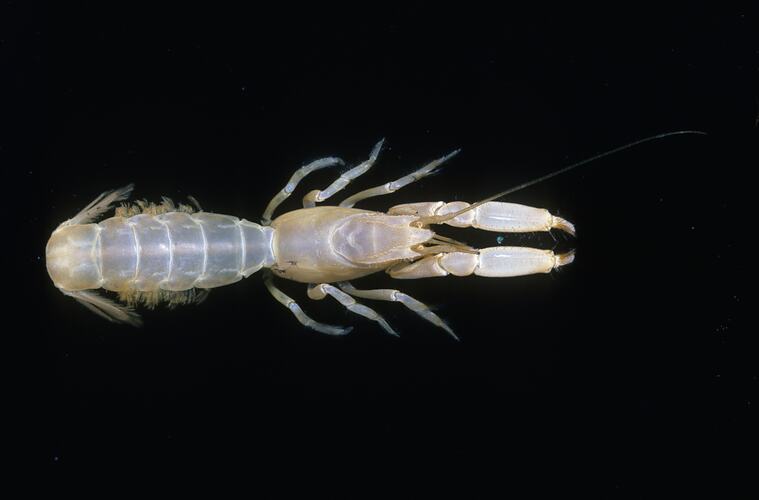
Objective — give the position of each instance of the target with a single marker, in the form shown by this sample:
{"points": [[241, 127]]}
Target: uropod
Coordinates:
{"points": [[164, 253]]}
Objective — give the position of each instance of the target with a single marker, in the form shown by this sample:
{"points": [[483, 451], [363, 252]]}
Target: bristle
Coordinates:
{"points": [[149, 208], [169, 298], [105, 307], [100, 205]]}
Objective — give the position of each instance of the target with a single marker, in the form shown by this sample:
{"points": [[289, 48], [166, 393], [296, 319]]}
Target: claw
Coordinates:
{"points": [[491, 216], [564, 225]]}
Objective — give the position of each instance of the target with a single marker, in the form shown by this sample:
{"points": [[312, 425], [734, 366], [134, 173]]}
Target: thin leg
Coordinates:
{"points": [[318, 292], [293, 182], [397, 296], [300, 315], [316, 196], [394, 186]]}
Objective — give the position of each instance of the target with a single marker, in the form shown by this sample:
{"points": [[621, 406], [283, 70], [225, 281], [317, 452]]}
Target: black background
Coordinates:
{"points": [[612, 374]]}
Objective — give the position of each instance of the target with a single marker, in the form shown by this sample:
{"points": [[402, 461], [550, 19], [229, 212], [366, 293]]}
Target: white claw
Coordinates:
{"points": [[491, 216], [515, 218], [503, 262]]}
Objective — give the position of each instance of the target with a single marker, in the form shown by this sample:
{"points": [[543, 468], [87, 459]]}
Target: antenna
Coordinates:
{"points": [[439, 219]]}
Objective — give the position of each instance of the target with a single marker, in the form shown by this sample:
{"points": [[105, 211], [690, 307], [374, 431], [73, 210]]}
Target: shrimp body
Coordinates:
{"points": [[162, 253], [151, 254]]}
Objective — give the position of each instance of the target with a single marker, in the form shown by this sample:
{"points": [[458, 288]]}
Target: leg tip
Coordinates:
{"points": [[376, 149], [342, 330], [389, 329], [451, 333]]}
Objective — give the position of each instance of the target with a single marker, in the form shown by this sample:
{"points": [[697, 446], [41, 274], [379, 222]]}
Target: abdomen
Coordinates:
{"points": [[172, 251]]}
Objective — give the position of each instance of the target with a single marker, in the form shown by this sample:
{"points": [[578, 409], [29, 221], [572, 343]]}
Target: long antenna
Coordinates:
{"points": [[439, 219]]}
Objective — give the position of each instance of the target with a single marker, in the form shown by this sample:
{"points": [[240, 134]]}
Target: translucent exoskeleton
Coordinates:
{"points": [[165, 253]]}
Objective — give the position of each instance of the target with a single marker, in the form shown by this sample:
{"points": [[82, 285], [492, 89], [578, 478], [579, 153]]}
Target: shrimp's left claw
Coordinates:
{"points": [[491, 216]]}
